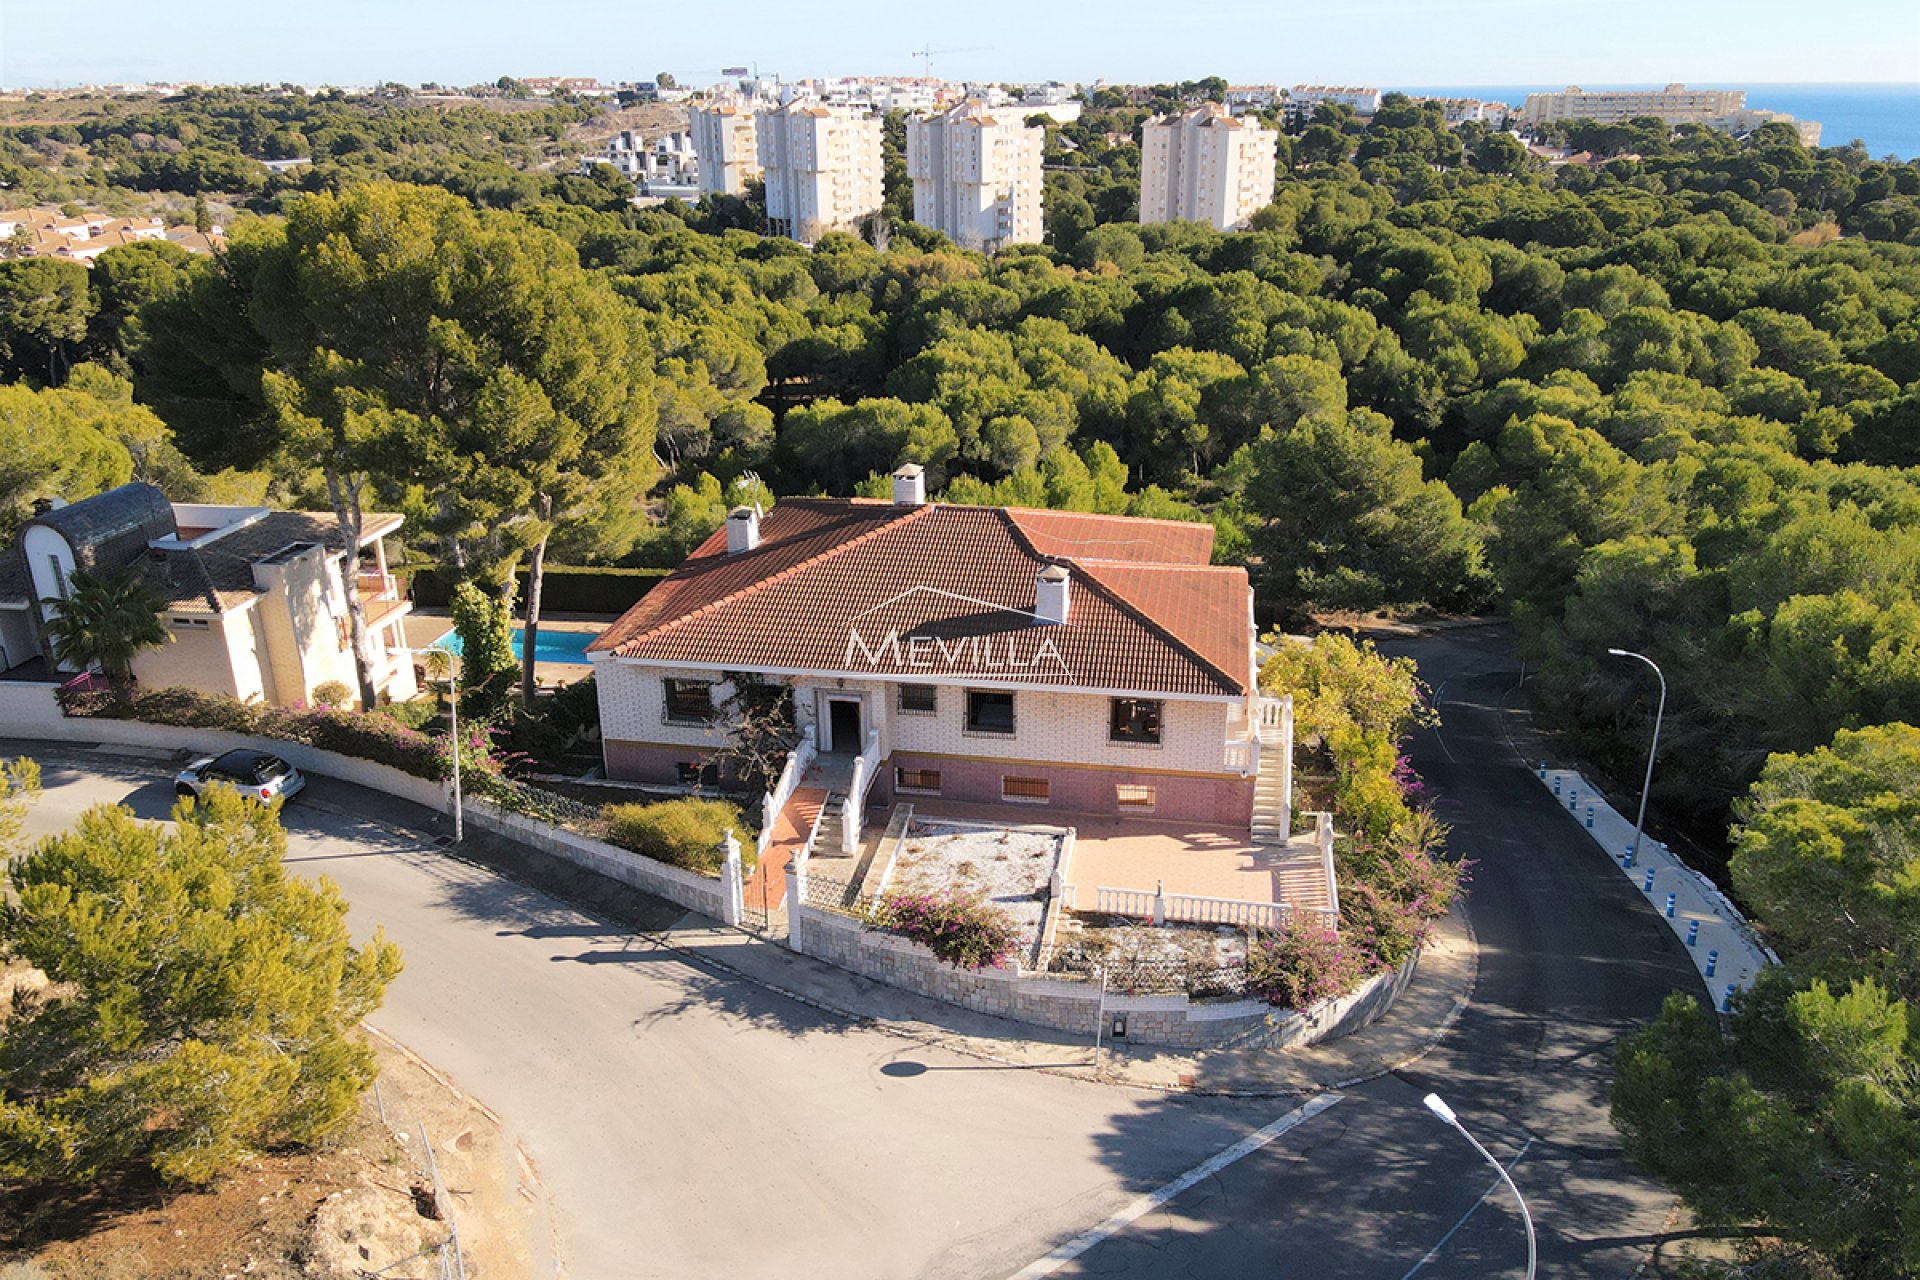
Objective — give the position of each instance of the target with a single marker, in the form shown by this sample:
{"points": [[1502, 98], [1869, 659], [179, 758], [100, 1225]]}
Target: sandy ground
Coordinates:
{"points": [[343, 1209]]}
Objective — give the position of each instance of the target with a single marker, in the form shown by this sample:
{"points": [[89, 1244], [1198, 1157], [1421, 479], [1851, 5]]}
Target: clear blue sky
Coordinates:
{"points": [[1382, 42]]}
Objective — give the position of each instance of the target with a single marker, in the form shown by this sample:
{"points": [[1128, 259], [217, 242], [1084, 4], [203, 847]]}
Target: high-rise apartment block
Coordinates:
{"points": [[1206, 166], [726, 139], [822, 167], [1675, 104], [976, 176]]}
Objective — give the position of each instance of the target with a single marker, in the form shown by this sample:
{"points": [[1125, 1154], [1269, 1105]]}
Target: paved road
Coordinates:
{"points": [[691, 1124], [1569, 957]]}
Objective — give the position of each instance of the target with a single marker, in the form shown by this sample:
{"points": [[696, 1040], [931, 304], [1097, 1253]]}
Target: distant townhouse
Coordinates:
{"points": [[1252, 97], [1205, 166], [253, 600], [725, 134], [48, 233], [976, 176], [822, 167], [1364, 100]]}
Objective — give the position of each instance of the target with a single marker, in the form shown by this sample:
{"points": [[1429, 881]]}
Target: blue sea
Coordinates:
{"points": [[1884, 116]]}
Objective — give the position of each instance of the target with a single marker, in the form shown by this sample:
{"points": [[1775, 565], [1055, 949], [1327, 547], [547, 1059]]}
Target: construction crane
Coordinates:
{"points": [[927, 54]]}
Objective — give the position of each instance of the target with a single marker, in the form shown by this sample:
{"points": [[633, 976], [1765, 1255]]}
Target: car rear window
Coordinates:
{"points": [[270, 768]]}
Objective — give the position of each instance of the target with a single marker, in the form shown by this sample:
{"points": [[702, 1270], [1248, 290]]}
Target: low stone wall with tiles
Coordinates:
{"points": [[688, 889], [1171, 1020]]}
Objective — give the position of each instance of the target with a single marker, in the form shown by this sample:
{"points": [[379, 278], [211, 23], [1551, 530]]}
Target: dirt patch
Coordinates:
{"points": [[1011, 866], [357, 1203], [1202, 960]]}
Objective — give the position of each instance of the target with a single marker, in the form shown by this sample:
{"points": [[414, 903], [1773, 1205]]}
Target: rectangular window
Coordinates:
{"points": [[197, 623], [1135, 720], [989, 711], [689, 701], [1134, 797], [919, 698], [1026, 790], [927, 780]]}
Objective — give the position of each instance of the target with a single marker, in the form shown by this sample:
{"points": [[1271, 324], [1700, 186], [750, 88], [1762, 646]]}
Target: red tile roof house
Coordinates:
{"points": [[1060, 662]]}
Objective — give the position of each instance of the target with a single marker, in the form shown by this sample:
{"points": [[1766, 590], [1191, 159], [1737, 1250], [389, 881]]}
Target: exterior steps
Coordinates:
{"points": [[832, 829]]}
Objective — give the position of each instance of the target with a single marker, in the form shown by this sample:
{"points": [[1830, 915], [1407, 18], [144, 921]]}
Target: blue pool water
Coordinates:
{"points": [[549, 646]]}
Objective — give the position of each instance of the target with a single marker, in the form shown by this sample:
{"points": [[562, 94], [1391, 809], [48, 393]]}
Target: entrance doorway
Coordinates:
{"points": [[843, 726]]}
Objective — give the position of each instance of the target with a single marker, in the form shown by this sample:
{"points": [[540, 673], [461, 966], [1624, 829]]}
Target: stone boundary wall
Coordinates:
{"points": [[1074, 1006], [28, 705], [685, 888], [688, 889]]}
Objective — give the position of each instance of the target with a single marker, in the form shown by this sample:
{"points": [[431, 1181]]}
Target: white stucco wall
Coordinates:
{"points": [[1067, 727]]}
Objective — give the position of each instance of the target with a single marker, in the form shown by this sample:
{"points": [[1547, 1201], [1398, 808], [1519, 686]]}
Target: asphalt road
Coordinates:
{"points": [[691, 1124]]}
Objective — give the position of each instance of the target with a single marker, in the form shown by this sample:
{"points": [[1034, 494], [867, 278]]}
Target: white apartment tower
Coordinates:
{"points": [[725, 139], [822, 167], [1206, 166], [976, 176]]}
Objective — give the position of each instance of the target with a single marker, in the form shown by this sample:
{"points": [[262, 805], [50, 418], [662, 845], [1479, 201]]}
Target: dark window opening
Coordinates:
{"points": [[690, 701], [989, 711], [1135, 720], [919, 697]]}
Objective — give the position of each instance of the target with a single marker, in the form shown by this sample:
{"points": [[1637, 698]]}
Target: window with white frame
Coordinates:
{"points": [[689, 701], [989, 711], [919, 699]]}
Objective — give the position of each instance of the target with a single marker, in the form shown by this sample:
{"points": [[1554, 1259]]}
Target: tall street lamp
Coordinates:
{"points": [[1639, 823], [1446, 1115], [439, 660]]}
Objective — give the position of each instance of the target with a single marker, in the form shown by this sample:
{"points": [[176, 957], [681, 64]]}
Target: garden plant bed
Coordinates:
{"points": [[1010, 866], [1203, 960]]}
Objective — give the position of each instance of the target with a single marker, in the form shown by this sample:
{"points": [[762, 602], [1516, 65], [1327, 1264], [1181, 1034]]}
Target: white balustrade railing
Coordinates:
{"points": [[853, 810], [1123, 902], [1189, 908]]}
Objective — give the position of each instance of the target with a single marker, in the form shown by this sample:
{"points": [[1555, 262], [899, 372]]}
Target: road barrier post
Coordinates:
{"points": [[1589, 817], [1713, 962], [1647, 887], [1726, 997], [1693, 932], [1670, 900]]}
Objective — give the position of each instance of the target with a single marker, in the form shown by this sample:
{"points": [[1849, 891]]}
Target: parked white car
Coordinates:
{"points": [[255, 774]]}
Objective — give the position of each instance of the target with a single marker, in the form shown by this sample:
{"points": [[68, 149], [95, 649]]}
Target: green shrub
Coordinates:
{"points": [[961, 928], [487, 664], [332, 693], [682, 833]]}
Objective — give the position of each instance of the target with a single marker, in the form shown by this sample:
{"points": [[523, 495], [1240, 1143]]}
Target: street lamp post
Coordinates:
{"points": [[453, 735], [1445, 1112], [1639, 823]]}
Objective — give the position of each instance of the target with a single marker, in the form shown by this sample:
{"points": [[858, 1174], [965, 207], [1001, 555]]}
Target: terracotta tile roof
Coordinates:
{"points": [[954, 587]]}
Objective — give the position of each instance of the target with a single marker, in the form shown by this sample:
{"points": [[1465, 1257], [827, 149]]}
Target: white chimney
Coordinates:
{"points": [[910, 485], [743, 530], [1050, 594]]}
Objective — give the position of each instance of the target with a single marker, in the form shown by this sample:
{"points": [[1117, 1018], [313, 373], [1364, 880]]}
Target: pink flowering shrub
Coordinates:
{"points": [[1302, 964], [963, 929]]}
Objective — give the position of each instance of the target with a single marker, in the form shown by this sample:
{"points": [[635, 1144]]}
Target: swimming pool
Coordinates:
{"points": [[568, 647]]}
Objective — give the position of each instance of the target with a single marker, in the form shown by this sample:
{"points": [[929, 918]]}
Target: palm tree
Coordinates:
{"points": [[104, 620]]}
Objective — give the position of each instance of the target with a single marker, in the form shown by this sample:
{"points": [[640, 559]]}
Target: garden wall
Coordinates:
{"points": [[685, 888], [1073, 1006], [694, 892], [27, 707]]}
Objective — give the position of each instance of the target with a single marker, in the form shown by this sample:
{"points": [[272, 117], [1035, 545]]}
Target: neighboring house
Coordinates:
{"points": [[1064, 661], [48, 233], [254, 599]]}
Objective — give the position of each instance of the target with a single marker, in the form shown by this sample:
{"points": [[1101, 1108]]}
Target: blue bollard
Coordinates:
{"points": [[1713, 959], [1543, 768], [1727, 998], [1648, 886], [1693, 932], [1573, 797], [1626, 859], [1670, 898], [1589, 817], [1556, 786]]}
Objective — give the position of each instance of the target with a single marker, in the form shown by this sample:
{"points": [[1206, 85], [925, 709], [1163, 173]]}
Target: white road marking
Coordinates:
{"points": [[1146, 1204], [1440, 1244]]}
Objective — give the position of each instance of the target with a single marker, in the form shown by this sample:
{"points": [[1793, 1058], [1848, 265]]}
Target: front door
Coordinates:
{"points": [[843, 726]]}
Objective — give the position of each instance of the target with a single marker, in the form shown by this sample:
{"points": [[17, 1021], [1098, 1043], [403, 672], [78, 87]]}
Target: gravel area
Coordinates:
{"points": [[1010, 866]]}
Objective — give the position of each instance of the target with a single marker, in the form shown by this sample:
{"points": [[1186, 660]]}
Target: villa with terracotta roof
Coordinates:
{"points": [[253, 600], [1057, 661]]}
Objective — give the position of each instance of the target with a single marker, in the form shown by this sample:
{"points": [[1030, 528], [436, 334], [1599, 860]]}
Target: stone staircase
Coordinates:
{"points": [[833, 825], [1270, 788]]}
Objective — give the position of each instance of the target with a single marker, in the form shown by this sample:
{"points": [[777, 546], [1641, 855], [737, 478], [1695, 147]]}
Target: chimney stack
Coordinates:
{"points": [[1050, 594], [910, 485], [743, 530]]}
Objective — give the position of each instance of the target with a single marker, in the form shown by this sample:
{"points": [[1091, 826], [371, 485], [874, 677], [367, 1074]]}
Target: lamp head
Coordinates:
{"points": [[1440, 1108], [1619, 653]]}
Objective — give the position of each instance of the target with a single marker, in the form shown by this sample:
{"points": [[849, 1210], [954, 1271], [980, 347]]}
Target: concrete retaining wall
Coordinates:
{"points": [[1074, 1006], [685, 888], [166, 737], [26, 710], [695, 892]]}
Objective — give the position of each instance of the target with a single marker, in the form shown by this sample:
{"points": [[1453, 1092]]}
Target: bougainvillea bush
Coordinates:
{"points": [[963, 929], [1303, 963]]}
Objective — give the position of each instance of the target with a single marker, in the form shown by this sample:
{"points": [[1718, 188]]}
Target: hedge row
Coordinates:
{"points": [[565, 588]]}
